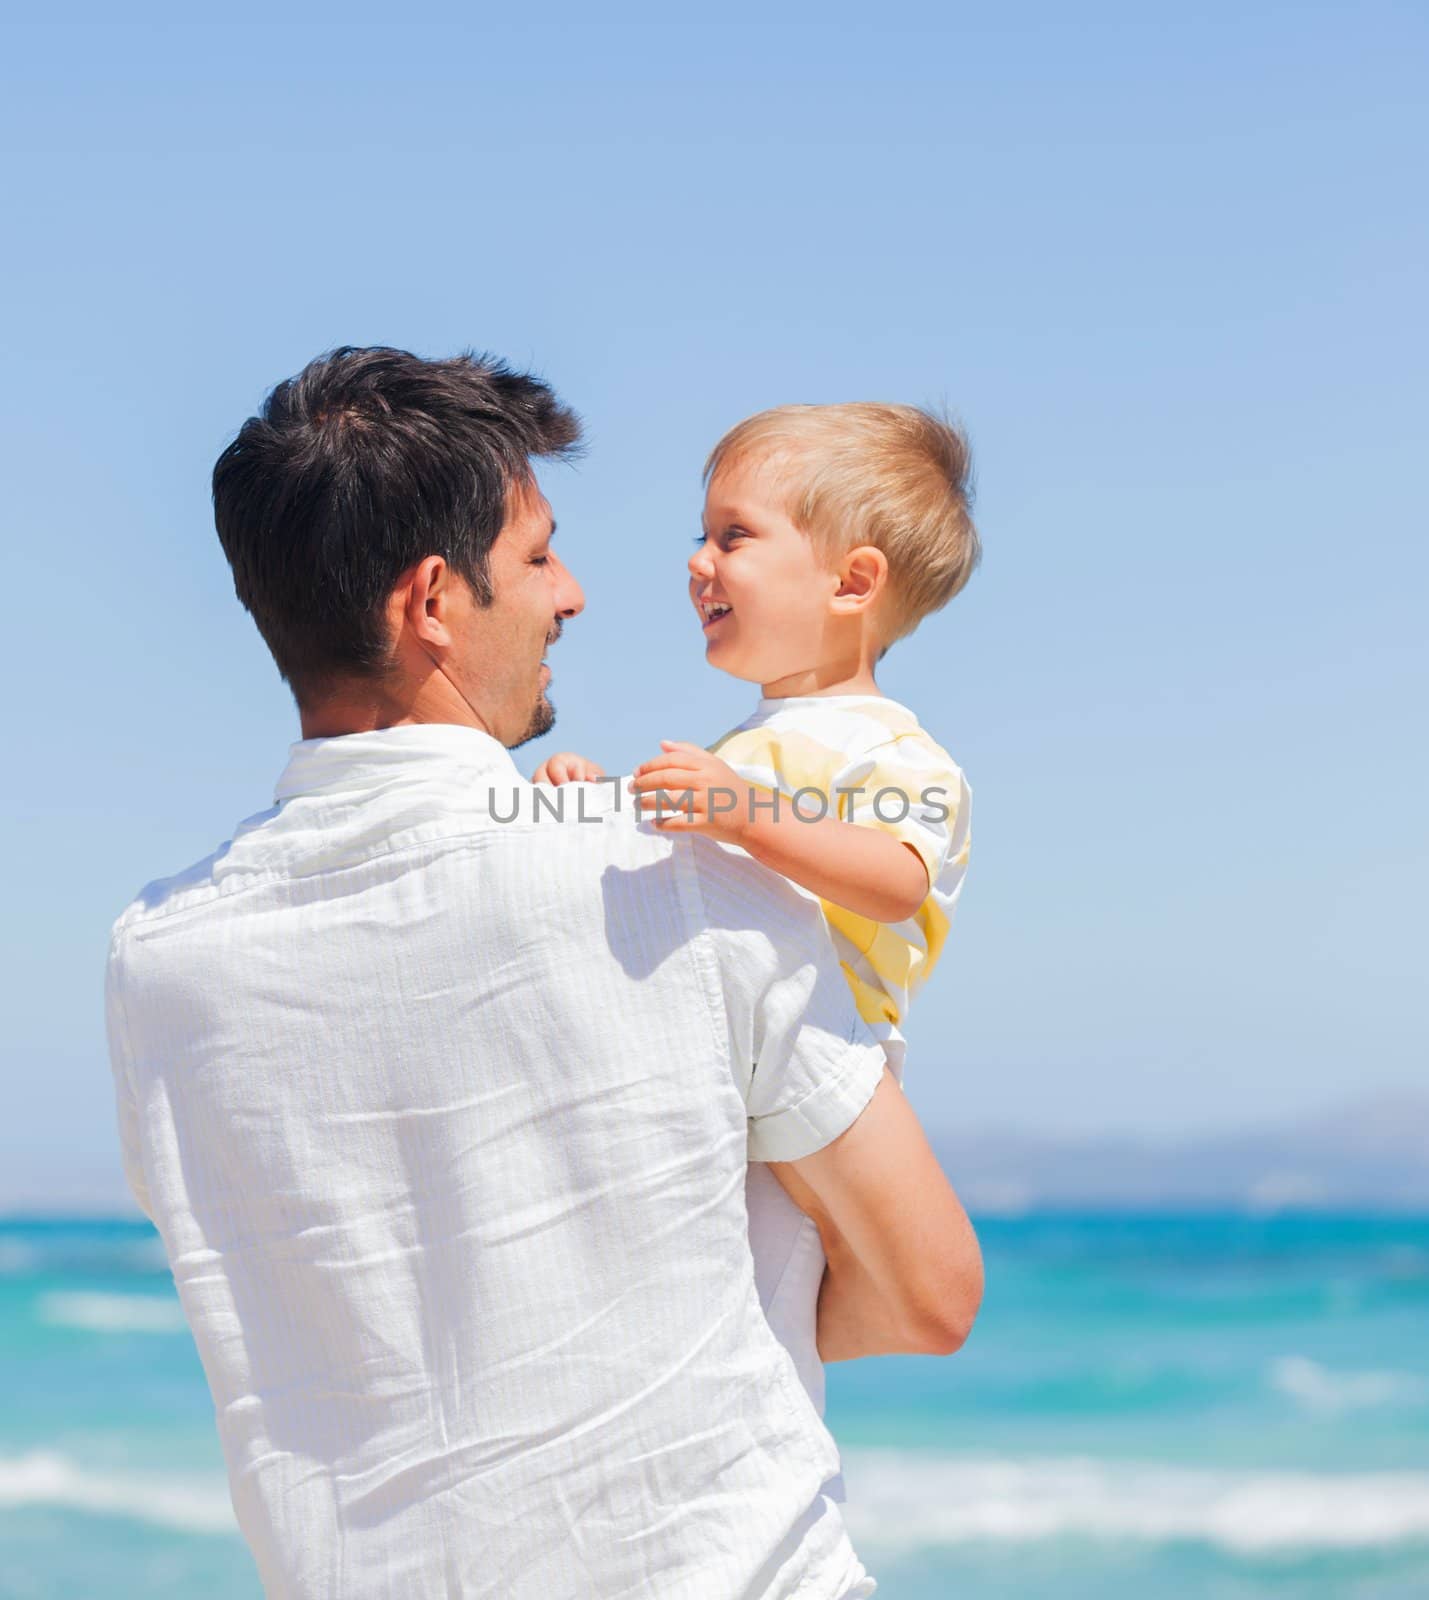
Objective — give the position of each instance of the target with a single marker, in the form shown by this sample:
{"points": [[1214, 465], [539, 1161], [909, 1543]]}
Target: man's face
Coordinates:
{"points": [[498, 664], [754, 560]]}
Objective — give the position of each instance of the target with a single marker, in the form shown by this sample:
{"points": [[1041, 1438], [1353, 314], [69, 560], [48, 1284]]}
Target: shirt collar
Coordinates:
{"points": [[354, 761], [799, 702]]}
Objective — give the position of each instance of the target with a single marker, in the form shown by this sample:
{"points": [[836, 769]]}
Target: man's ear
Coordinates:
{"points": [[863, 572], [419, 604]]}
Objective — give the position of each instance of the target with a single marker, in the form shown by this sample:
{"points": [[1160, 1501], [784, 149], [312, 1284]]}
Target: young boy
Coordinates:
{"points": [[829, 533]]}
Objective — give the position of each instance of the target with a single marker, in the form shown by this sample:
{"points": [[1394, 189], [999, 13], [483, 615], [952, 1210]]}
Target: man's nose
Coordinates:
{"points": [[570, 597]]}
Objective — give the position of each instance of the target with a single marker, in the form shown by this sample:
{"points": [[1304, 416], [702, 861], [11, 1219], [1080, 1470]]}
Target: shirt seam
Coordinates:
{"points": [[786, 1381], [126, 1045], [705, 958], [136, 917], [920, 734], [863, 753]]}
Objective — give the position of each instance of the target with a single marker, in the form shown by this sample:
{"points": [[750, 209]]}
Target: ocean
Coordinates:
{"points": [[1217, 1407]]}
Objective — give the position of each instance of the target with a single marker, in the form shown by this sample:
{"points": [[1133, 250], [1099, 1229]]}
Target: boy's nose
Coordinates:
{"points": [[700, 564]]}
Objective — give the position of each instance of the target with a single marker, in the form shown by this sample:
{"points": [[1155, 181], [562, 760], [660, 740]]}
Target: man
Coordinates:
{"points": [[442, 1106]]}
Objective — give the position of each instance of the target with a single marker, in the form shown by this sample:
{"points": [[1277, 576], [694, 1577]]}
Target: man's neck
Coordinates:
{"points": [[361, 707]]}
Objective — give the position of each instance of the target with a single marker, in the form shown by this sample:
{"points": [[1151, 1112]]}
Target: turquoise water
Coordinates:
{"points": [[1208, 1407]]}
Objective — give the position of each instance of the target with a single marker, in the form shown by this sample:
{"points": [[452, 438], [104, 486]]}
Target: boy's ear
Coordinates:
{"points": [[862, 574]]}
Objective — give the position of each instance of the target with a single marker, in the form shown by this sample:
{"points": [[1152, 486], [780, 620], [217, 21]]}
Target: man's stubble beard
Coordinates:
{"points": [[543, 715], [543, 719]]}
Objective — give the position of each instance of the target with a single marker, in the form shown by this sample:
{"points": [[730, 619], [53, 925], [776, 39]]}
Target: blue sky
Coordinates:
{"points": [[1169, 270]]}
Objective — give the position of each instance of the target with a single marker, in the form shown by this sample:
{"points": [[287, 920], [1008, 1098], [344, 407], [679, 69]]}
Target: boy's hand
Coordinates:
{"points": [[566, 768], [687, 790]]}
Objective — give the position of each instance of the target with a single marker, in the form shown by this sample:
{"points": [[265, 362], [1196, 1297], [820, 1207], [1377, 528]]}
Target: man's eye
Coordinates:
{"points": [[540, 561]]}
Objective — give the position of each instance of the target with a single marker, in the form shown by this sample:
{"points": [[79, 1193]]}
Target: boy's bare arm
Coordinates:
{"points": [[863, 869]]}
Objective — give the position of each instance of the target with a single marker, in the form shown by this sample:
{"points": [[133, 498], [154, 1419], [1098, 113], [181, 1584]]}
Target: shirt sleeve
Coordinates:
{"points": [[804, 1060], [912, 789], [125, 1102]]}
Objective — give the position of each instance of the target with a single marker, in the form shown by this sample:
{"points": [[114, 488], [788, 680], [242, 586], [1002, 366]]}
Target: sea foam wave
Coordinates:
{"points": [[906, 1500], [111, 1313], [43, 1479], [901, 1501]]}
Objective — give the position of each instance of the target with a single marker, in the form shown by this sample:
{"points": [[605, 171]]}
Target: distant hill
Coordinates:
{"points": [[1372, 1154], [1369, 1155]]}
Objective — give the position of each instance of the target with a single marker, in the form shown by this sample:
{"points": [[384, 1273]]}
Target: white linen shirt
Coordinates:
{"points": [[444, 1119]]}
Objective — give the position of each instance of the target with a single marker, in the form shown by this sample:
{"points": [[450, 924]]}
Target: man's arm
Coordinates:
{"points": [[904, 1270]]}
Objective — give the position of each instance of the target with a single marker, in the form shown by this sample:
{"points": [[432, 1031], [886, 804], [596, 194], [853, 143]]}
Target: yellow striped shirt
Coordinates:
{"points": [[893, 776]]}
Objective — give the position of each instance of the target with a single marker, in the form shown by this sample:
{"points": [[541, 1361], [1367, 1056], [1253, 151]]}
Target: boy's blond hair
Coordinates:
{"points": [[895, 477]]}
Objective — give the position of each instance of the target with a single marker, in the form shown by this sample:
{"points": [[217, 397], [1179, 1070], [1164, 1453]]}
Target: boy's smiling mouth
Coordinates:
{"points": [[712, 610]]}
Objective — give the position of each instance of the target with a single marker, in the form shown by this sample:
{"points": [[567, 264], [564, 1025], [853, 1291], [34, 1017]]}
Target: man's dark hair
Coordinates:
{"points": [[364, 464]]}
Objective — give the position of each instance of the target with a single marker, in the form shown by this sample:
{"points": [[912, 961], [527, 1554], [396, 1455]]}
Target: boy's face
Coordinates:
{"points": [[754, 561]]}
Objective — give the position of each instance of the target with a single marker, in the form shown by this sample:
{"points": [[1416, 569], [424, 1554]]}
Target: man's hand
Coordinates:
{"points": [[565, 767], [692, 792]]}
